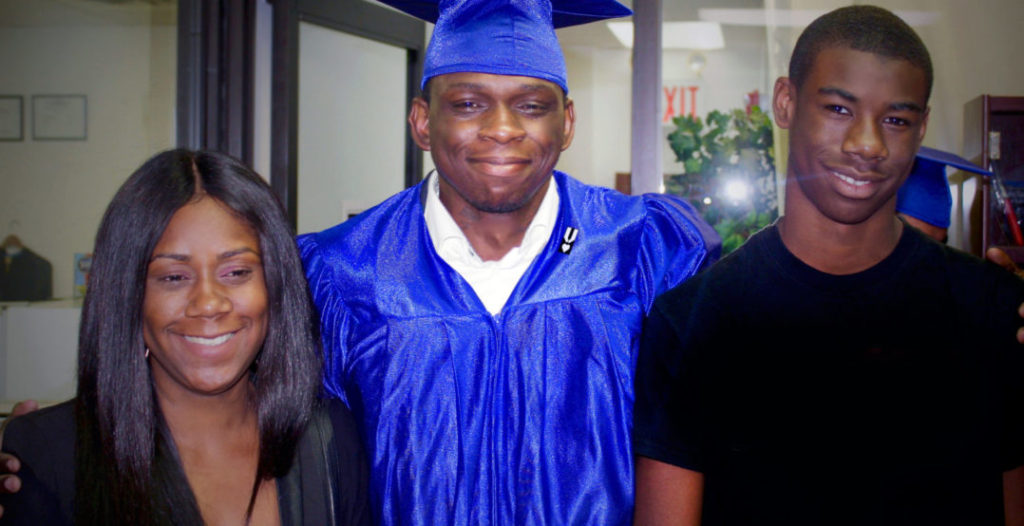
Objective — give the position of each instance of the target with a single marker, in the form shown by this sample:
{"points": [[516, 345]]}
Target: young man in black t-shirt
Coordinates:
{"points": [[840, 367]]}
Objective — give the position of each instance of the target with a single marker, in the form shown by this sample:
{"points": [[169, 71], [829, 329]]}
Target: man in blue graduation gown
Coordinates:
{"points": [[483, 324]]}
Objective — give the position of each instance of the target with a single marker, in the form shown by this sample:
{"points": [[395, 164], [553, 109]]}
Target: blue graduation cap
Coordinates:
{"points": [[502, 37], [925, 194]]}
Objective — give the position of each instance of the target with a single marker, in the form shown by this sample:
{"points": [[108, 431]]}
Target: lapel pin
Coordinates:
{"points": [[568, 239]]}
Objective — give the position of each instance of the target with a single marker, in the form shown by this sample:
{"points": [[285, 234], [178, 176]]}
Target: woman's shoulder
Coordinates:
{"points": [[44, 441], [331, 449], [39, 429], [333, 416]]}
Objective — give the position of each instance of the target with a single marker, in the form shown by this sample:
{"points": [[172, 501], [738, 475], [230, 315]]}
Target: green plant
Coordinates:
{"points": [[729, 171]]}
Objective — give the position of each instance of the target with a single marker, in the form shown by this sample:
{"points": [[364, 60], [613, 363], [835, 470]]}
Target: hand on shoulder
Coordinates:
{"points": [[1001, 258], [9, 464]]}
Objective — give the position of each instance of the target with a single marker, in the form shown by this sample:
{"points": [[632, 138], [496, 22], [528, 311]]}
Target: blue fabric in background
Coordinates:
{"points": [[926, 194]]}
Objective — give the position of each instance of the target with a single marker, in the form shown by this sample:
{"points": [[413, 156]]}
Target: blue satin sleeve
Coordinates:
{"points": [[677, 243], [335, 319]]}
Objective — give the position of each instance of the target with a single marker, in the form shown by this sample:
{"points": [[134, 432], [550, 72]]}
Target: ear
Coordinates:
{"points": [[569, 126], [784, 102], [419, 123]]}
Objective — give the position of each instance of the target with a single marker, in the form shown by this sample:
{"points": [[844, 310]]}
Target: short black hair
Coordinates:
{"points": [[425, 91], [865, 28]]}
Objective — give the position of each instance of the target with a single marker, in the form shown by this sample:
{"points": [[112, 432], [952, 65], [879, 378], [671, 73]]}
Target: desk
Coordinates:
{"points": [[38, 350]]}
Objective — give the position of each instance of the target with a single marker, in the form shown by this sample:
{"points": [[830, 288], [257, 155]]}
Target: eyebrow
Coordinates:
{"points": [[467, 85], [906, 106], [846, 95], [224, 255], [534, 87]]}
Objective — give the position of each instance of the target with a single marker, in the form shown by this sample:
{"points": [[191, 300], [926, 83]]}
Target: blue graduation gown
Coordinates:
{"points": [[519, 418]]}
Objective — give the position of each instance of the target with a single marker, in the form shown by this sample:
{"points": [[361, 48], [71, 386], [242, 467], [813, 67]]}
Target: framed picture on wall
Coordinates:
{"points": [[11, 117], [59, 118]]}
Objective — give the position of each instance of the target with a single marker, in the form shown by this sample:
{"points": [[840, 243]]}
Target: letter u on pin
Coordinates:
{"points": [[568, 239]]}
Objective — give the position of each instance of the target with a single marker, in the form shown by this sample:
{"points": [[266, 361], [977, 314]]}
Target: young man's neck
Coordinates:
{"points": [[833, 247], [492, 235]]}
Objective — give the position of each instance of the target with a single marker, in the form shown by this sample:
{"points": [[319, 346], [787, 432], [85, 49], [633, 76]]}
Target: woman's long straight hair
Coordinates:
{"points": [[127, 468]]}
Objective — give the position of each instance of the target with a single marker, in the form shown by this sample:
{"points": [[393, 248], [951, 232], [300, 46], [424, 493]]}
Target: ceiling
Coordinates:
{"points": [[22, 13], [598, 35]]}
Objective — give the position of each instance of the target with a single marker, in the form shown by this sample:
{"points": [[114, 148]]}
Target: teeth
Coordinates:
{"points": [[849, 180], [209, 341]]}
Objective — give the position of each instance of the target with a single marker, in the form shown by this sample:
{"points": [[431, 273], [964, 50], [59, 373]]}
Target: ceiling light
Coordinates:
{"points": [[696, 62], [737, 191]]}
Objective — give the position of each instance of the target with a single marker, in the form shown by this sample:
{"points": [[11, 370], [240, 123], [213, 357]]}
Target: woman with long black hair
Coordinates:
{"points": [[198, 370]]}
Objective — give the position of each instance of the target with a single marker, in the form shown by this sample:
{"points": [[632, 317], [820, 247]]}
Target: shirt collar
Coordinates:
{"points": [[451, 243]]}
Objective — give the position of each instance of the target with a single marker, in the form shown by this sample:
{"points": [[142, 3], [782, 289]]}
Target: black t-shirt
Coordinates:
{"points": [[890, 396]]}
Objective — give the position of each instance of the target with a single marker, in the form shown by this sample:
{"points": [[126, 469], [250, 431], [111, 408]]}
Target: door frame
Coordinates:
{"points": [[214, 108], [356, 17]]}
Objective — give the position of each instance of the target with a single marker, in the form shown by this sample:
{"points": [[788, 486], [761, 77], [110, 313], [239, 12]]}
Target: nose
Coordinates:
{"points": [[502, 125], [864, 139], [208, 300]]}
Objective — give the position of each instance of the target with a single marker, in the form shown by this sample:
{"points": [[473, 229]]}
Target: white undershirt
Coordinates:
{"points": [[492, 281]]}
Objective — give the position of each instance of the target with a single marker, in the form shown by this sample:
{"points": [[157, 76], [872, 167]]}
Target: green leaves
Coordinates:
{"points": [[693, 165], [726, 148]]}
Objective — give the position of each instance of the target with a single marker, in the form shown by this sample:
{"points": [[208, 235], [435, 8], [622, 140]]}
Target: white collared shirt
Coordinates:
{"points": [[492, 281]]}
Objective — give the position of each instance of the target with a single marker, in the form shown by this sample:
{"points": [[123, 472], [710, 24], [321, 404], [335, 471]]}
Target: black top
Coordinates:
{"points": [[890, 396], [327, 483]]}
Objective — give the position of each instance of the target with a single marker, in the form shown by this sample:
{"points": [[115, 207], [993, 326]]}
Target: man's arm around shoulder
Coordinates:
{"points": [[667, 494], [9, 464], [1013, 496]]}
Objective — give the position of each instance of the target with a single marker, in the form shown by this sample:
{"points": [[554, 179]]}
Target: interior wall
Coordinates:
{"points": [[579, 160], [351, 125], [262, 66], [600, 84], [975, 50], [54, 192]]}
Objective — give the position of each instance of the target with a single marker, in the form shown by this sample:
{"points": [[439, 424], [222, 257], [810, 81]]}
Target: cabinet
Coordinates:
{"points": [[38, 351], [994, 139]]}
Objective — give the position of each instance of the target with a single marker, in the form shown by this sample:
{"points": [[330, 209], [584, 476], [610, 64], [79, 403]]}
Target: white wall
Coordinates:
{"points": [[600, 84], [38, 351], [53, 193], [262, 65], [351, 124]]}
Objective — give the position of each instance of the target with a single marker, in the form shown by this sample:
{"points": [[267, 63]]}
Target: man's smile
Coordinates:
{"points": [[850, 180]]}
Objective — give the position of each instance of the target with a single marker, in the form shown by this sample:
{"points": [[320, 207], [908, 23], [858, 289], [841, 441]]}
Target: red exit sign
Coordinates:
{"points": [[679, 100]]}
